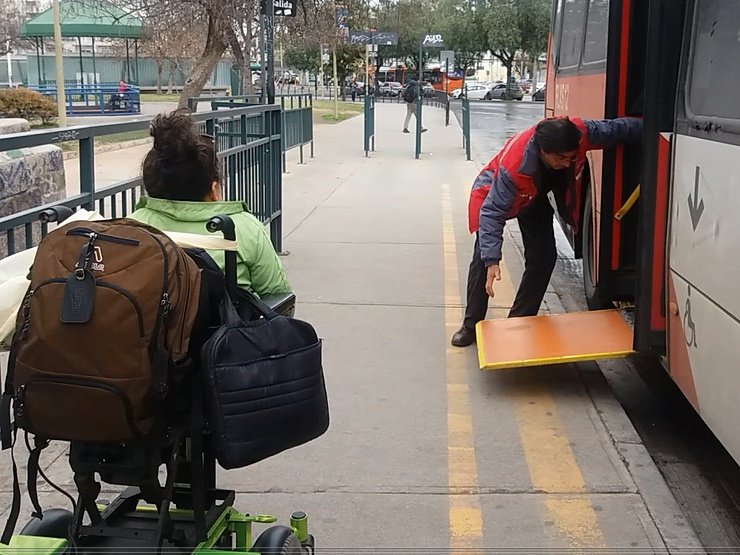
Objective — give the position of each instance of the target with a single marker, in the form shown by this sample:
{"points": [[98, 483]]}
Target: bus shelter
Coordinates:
{"points": [[92, 19]]}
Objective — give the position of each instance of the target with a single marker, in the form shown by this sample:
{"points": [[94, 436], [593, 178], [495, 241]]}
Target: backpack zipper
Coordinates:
{"points": [[94, 236], [90, 384]]}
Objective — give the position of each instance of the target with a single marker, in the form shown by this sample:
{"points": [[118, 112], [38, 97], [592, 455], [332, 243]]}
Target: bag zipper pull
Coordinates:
{"points": [[87, 250], [27, 314]]}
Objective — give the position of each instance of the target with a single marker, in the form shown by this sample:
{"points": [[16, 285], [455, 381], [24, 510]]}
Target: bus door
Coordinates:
{"points": [[704, 223], [664, 43]]}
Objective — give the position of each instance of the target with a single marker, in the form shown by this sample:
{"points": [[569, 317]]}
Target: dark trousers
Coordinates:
{"points": [[540, 255]]}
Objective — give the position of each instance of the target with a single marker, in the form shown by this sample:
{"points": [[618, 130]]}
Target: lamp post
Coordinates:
{"points": [[59, 63]]}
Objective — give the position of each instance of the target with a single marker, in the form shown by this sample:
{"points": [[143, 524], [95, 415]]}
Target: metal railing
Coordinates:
{"points": [[369, 113], [466, 125], [297, 116], [297, 123], [248, 144], [92, 100]]}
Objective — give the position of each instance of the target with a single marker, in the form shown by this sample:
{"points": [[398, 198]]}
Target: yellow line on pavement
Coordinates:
{"points": [[553, 467], [465, 515]]}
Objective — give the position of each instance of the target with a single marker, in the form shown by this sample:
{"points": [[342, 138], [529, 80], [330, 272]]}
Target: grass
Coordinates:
{"points": [[324, 111], [164, 97], [73, 146]]}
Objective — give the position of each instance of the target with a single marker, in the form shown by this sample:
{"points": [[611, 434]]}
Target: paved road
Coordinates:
{"points": [[702, 476]]}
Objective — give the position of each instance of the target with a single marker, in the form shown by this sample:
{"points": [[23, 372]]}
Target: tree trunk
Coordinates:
{"points": [[216, 45], [171, 77], [160, 67]]}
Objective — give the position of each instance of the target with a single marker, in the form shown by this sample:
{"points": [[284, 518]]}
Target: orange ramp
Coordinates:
{"points": [[552, 339]]}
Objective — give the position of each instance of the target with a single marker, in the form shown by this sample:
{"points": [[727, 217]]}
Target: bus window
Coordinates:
{"points": [[571, 43], [715, 79], [597, 31], [557, 27]]}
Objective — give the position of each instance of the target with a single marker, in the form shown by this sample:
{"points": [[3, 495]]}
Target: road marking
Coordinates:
{"points": [[553, 467], [465, 514]]}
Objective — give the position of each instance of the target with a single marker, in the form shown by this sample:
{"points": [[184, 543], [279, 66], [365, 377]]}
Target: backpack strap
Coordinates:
{"points": [[15, 508], [32, 471]]}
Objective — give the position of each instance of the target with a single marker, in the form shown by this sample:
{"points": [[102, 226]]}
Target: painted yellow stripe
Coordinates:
{"points": [[465, 515], [553, 467], [549, 457]]}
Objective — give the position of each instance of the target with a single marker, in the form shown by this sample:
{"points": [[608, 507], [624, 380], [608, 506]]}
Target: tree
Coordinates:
{"points": [[517, 25], [465, 32], [170, 39], [10, 25]]}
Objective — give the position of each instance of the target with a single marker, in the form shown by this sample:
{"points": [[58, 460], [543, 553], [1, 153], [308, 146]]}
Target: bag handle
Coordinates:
{"points": [[228, 314], [225, 224]]}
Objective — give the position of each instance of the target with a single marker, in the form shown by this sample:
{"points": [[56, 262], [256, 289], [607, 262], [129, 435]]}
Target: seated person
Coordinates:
{"points": [[181, 179]]}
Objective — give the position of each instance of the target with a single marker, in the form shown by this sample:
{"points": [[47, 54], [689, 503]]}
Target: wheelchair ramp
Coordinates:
{"points": [[552, 339]]}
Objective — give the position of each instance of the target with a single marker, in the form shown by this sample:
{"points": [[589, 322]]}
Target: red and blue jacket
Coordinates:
{"points": [[508, 183]]}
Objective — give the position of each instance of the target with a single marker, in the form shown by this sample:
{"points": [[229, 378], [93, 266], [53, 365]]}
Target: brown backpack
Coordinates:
{"points": [[106, 320]]}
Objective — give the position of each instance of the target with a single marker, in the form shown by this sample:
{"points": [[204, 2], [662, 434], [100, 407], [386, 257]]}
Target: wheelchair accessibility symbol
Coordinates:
{"points": [[689, 327]]}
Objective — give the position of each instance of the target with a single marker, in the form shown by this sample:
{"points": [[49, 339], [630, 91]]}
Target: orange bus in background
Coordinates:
{"points": [[438, 79]]}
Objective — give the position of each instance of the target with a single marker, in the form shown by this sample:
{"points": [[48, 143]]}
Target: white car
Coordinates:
{"points": [[477, 91]]}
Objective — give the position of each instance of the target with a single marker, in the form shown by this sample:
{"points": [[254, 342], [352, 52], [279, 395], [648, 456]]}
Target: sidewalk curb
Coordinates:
{"points": [[72, 154], [663, 509]]}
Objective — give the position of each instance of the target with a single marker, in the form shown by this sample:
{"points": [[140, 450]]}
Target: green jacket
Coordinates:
{"points": [[258, 267]]}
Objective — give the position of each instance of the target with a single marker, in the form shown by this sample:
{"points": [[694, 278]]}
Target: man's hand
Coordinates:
{"points": [[493, 272]]}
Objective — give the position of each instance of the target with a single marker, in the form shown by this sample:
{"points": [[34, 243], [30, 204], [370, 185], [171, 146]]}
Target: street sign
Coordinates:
{"points": [[431, 40], [285, 8], [324, 54], [447, 60], [373, 37]]}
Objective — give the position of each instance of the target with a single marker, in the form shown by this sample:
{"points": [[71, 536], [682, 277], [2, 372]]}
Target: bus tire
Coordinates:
{"points": [[596, 296]]}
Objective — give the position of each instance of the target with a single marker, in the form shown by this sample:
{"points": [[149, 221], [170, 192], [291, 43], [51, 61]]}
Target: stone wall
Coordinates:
{"points": [[29, 177]]}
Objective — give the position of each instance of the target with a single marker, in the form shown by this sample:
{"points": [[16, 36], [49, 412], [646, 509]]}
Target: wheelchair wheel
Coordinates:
{"points": [[54, 524], [278, 540]]}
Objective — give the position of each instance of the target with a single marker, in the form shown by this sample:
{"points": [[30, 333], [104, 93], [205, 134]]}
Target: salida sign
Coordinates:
{"points": [[431, 39], [285, 8]]}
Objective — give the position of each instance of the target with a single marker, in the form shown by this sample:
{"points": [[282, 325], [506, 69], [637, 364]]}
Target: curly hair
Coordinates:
{"points": [[181, 164]]}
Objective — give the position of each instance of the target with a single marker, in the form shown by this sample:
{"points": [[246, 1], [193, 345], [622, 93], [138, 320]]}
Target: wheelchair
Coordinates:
{"points": [[182, 511]]}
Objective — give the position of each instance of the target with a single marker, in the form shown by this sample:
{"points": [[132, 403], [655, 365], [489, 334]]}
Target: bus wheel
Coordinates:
{"points": [[596, 296]]}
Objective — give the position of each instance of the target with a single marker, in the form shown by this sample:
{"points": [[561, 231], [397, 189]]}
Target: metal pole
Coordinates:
{"points": [[82, 68], [128, 64], [10, 66], [270, 49], [95, 69], [418, 106], [336, 85], [263, 56], [136, 58], [59, 63]]}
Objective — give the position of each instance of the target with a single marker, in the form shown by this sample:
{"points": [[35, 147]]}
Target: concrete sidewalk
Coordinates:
{"points": [[426, 452]]}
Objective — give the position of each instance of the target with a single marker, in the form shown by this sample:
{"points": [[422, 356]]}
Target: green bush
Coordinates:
{"points": [[27, 104]]}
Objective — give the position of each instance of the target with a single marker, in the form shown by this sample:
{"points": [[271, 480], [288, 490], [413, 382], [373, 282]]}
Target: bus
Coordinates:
{"points": [[674, 254], [439, 80]]}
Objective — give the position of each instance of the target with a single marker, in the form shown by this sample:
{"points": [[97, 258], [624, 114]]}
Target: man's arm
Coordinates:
{"points": [[493, 218], [608, 133]]}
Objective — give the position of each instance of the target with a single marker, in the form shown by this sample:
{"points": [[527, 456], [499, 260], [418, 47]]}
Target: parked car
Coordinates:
{"points": [[512, 92], [390, 88], [539, 95]]}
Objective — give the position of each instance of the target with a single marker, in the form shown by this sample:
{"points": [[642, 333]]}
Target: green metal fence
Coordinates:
{"points": [[297, 112], [248, 144], [297, 122], [369, 114], [466, 125]]}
